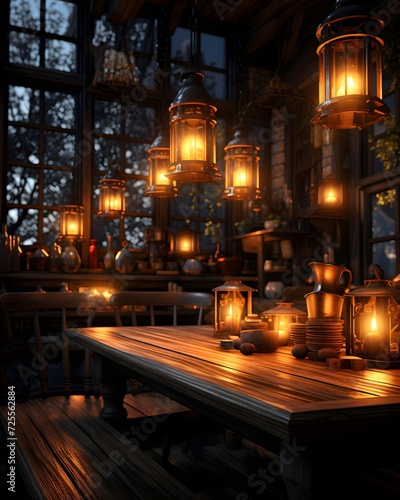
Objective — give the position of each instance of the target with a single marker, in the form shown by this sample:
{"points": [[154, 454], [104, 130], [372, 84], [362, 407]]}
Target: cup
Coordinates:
{"points": [[267, 265], [324, 305]]}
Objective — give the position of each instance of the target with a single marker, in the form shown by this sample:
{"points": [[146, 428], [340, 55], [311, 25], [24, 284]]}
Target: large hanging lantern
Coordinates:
{"points": [[71, 222], [350, 74], [160, 186], [193, 133], [112, 194], [241, 167]]}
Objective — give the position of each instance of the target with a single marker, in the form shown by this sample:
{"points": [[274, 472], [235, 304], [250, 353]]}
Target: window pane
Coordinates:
{"points": [[213, 51], [215, 84], [59, 149], [135, 199], [25, 14], [24, 49], [51, 227], [58, 187], [60, 55], [384, 254], [23, 144], [107, 117], [22, 186], [180, 45], [106, 150], [60, 110], [135, 230], [61, 18], [136, 159], [26, 224], [24, 104], [383, 214], [139, 122]]}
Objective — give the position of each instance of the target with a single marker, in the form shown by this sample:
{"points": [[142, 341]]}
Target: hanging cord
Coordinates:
{"points": [[193, 35]]}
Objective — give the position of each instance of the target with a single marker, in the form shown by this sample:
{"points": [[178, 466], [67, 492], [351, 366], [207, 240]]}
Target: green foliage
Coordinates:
{"points": [[387, 147]]}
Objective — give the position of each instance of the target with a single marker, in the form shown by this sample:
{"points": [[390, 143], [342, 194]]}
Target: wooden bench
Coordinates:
{"points": [[66, 450]]}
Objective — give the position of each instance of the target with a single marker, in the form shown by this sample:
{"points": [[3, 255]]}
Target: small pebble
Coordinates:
{"points": [[246, 348], [327, 352], [300, 351], [237, 343]]}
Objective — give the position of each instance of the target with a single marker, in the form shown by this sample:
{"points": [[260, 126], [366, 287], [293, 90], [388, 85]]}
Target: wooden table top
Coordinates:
{"points": [[265, 395]]}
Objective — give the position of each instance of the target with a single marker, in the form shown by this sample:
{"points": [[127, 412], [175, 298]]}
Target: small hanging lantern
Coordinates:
{"points": [[281, 317], [193, 133], [330, 194], [185, 243], [241, 167], [160, 186], [233, 302], [371, 323], [112, 194], [350, 62], [71, 222]]}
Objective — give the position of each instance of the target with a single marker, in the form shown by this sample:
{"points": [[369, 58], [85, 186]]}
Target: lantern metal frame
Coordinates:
{"points": [[193, 133], [159, 161], [242, 164], [349, 42], [71, 222], [376, 303], [112, 194], [234, 299]]}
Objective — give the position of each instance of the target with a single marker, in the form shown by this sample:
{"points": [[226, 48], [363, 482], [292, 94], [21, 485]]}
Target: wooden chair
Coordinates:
{"points": [[46, 315], [177, 302]]}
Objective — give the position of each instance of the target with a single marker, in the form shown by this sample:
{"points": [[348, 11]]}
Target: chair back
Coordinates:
{"points": [[177, 301], [45, 309]]}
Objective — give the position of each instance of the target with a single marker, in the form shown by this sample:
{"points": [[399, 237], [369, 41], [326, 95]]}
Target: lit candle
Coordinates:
{"points": [[331, 197], [239, 174], [192, 148], [351, 88], [372, 340], [185, 245]]}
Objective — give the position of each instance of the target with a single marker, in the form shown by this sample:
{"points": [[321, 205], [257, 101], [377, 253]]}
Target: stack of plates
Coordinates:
{"points": [[297, 333], [323, 333]]}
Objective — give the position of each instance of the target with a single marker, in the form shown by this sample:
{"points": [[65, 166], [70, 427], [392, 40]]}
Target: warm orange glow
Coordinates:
{"points": [[239, 177], [161, 179], [374, 327], [331, 197], [185, 246], [192, 147], [352, 87]]}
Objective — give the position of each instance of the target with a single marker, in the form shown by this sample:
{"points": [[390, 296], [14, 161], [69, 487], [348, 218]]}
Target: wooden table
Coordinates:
{"points": [[325, 424]]}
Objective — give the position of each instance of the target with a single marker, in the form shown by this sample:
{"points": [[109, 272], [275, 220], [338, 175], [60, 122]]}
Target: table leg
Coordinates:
{"points": [[113, 390]]}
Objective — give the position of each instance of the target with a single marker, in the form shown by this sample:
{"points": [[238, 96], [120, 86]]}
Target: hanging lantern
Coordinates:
{"points": [[233, 302], [185, 243], [282, 316], [160, 186], [112, 194], [241, 167], [330, 193], [371, 323], [193, 133], [71, 222], [350, 74]]}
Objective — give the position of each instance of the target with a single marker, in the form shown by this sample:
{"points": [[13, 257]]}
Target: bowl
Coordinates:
{"points": [[264, 340]]}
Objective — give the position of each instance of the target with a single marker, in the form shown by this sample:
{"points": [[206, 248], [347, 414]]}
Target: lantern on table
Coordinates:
{"points": [[282, 316], [371, 316], [233, 301]]}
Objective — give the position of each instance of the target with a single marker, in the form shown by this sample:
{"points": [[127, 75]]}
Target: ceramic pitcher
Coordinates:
{"points": [[330, 278]]}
